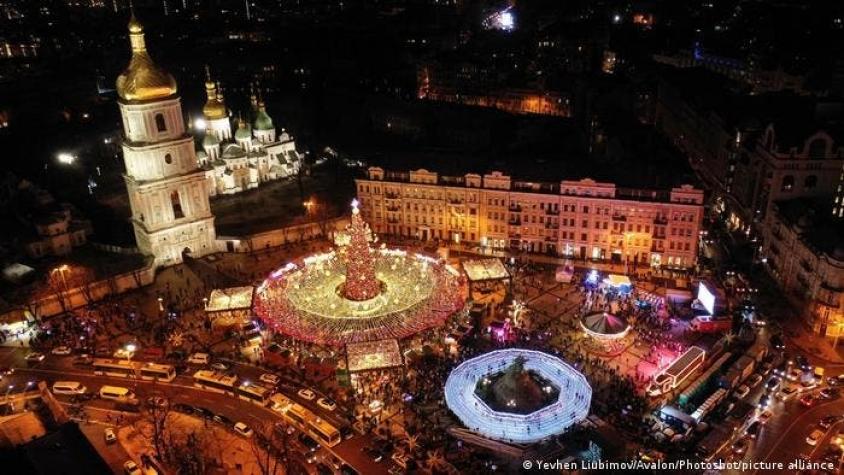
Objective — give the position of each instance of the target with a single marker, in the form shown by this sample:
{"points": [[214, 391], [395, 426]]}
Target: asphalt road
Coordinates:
{"points": [[55, 368]]}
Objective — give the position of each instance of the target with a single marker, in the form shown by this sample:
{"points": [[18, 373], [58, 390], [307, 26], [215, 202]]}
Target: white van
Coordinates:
{"points": [[69, 387], [116, 393]]}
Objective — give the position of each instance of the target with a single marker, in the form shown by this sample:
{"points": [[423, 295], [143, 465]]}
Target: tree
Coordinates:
{"points": [[158, 415], [269, 447], [435, 461]]}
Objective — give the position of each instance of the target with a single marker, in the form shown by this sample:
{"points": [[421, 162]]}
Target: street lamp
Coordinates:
{"points": [[130, 351], [199, 124], [61, 270], [8, 390], [66, 158]]}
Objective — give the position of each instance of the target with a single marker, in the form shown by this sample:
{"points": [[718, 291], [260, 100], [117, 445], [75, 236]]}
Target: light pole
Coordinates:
{"points": [[8, 390], [61, 270], [130, 351]]}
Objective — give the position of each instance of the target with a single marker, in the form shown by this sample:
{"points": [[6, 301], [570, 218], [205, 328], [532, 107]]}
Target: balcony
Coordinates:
{"points": [[455, 201], [552, 212], [551, 225], [393, 208], [393, 220], [663, 220], [392, 196], [515, 221], [515, 208], [618, 217]]}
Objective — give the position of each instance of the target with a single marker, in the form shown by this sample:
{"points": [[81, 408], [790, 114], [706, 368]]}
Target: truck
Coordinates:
{"points": [[709, 324], [738, 372]]}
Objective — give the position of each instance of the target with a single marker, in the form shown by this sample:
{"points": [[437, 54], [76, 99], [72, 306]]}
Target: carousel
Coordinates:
{"points": [[605, 333]]}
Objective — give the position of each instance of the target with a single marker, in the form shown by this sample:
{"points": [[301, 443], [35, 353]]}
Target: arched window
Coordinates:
{"points": [[159, 123], [168, 159], [817, 149], [810, 182], [177, 205], [787, 183]]}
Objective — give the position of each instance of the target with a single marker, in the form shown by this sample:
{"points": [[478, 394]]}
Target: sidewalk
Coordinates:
{"points": [[812, 345]]}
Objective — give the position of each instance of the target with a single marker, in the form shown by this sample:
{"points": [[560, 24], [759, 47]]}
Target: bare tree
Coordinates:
{"points": [[269, 447], [159, 416]]}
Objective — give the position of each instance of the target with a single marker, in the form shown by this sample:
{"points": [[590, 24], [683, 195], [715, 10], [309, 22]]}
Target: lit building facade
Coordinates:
{"points": [[803, 251], [253, 154], [168, 192], [580, 219]]}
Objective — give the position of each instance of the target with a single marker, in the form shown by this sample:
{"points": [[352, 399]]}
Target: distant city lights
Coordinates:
{"points": [[503, 20], [66, 158]]}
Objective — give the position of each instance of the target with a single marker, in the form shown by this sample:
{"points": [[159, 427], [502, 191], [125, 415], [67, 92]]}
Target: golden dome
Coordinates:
{"points": [[142, 80], [214, 107]]}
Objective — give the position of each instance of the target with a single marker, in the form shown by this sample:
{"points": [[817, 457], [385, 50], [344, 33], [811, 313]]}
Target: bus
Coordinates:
{"points": [[116, 368], [214, 381], [158, 372], [254, 393], [279, 402], [298, 415], [325, 433]]}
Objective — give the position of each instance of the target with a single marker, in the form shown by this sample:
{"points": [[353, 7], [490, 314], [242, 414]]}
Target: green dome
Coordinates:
{"points": [[263, 120], [243, 131], [210, 140]]}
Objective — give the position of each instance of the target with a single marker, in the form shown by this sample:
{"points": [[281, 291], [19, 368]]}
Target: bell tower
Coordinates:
{"points": [[168, 193]]}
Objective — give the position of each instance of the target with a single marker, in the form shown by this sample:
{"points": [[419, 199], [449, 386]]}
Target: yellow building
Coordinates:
{"points": [[584, 219]]}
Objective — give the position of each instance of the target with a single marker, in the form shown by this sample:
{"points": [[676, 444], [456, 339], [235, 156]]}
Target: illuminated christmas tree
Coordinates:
{"points": [[361, 283]]}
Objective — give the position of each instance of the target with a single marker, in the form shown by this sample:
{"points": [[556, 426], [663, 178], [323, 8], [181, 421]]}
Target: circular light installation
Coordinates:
{"points": [[359, 294], [604, 326], [571, 407]]}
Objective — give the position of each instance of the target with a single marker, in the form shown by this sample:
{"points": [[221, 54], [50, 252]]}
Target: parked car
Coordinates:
{"points": [[110, 436], [740, 446], [220, 366], [35, 357], [270, 378], [754, 380], [326, 404], [814, 437], [309, 442], [374, 454], [742, 391], [184, 408], [131, 468], [83, 360], [772, 384], [829, 393], [244, 430], [807, 400], [123, 354], [306, 394], [6, 371], [199, 358], [61, 351], [764, 416], [219, 418], [828, 421], [753, 429]]}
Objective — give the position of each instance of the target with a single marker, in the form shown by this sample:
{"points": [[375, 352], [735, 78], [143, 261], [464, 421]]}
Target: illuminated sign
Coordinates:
{"points": [[706, 298]]}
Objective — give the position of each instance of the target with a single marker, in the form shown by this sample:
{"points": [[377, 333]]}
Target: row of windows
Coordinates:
{"points": [[809, 182]]}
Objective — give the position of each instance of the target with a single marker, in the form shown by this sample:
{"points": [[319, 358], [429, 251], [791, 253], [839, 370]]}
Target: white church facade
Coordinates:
{"points": [[252, 155]]}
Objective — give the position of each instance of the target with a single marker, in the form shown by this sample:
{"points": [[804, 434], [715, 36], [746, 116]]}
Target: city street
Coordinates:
{"points": [[181, 390]]}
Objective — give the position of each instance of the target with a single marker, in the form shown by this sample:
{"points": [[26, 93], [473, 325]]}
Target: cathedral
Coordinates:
{"points": [[168, 180], [251, 156]]}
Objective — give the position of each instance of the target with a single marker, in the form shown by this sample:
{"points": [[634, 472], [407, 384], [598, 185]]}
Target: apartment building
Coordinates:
{"points": [[581, 219]]}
